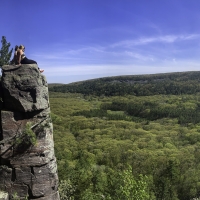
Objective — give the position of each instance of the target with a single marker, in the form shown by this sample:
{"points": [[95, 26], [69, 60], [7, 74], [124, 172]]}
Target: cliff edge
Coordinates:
{"points": [[28, 168]]}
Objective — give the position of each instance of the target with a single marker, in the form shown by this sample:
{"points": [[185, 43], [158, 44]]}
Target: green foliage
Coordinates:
{"points": [[131, 188], [66, 190], [167, 179], [5, 53], [140, 108], [94, 150], [16, 197], [90, 195], [27, 136], [125, 186]]}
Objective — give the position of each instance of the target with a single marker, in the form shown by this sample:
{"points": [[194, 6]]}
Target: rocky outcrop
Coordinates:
{"points": [[24, 89], [28, 168]]}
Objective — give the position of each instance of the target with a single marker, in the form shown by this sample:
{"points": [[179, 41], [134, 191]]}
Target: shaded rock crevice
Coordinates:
{"points": [[28, 165]]}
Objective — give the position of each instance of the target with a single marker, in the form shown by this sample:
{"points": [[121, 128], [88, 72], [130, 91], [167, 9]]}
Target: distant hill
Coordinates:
{"points": [[54, 84], [140, 85]]}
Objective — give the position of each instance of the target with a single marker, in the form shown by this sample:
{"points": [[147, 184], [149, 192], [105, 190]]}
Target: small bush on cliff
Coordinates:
{"points": [[16, 197], [27, 137], [5, 53]]}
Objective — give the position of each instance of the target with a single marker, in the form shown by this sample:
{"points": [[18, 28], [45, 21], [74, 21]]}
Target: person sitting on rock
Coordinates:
{"points": [[22, 59], [14, 60]]}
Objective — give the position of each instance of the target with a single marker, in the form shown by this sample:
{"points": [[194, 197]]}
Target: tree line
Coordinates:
{"points": [[143, 85]]}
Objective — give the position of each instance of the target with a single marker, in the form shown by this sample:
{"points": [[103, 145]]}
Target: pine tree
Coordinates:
{"points": [[5, 53]]}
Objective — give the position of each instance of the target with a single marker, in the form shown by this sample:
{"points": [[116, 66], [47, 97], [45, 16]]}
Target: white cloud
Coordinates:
{"points": [[162, 39], [66, 54], [67, 74], [139, 56], [122, 51], [126, 57], [165, 66]]}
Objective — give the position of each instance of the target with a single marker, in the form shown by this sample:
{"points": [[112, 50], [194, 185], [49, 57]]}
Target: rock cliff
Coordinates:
{"points": [[28, 168]]}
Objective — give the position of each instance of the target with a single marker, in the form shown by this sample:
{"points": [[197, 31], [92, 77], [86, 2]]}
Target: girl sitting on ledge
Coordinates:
{"points": [[22, 59], [14, 60]]}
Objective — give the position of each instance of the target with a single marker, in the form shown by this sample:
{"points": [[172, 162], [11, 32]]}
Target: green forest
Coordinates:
{"points": [[128, 146], [138, 85]]}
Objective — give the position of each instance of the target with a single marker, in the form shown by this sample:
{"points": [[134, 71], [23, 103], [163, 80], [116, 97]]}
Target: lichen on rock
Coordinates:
{"points": [[4, 195]]}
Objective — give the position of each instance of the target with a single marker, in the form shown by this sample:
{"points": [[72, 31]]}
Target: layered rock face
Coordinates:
{"points": [[28, 168]]}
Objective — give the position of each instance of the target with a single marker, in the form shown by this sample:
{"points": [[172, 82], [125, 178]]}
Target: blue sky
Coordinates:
{"points": [[74, 40]]}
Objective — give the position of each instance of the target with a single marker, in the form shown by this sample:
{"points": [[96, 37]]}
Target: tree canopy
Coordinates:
{"points": [[5, 53], [127, 147]]}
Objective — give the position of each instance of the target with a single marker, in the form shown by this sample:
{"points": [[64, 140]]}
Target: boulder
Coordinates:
{"points": [[24, 88]]}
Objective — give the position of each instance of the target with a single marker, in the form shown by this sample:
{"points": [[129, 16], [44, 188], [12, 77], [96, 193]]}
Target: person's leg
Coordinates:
{"points": [[28, 61]]}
